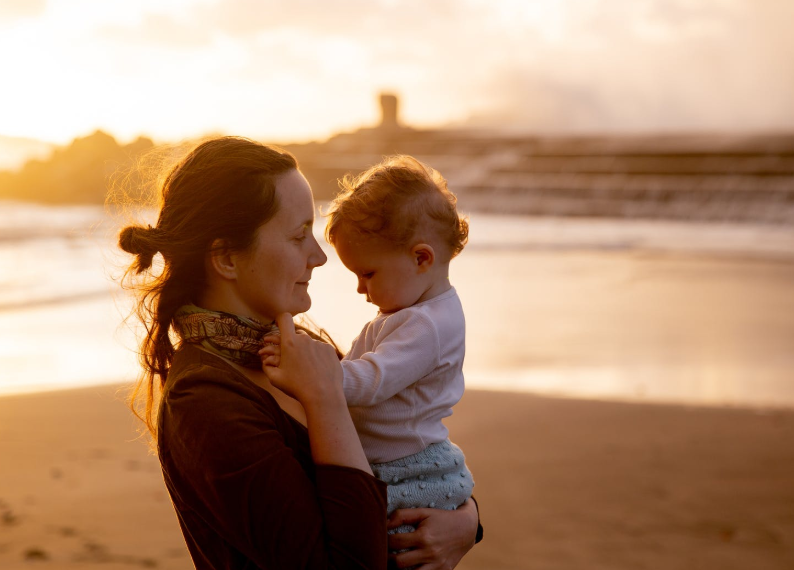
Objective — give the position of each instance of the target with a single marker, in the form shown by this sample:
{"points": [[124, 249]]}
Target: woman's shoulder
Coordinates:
{"points": [[213, 421], [201, 383], [190, 361], [188, 357], [210, 402]]}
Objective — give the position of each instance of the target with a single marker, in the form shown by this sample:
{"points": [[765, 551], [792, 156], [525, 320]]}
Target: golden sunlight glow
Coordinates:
{"points": [[188, 67]]}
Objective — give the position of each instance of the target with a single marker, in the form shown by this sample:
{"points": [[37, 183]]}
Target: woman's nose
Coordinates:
{"points": [[317, 256]]}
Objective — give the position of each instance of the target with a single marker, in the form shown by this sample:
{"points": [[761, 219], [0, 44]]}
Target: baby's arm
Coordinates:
{"points": [[406, 350]]}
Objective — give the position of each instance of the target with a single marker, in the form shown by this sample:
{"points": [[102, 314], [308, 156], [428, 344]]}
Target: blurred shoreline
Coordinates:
{"points": [[698, 177], [639, 310], [633, 267]]}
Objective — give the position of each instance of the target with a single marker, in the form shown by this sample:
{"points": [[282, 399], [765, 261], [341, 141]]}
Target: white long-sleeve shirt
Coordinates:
{"points": [[403, 374]]}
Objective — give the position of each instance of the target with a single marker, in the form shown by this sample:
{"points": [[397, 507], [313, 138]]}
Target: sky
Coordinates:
{"points": [[296, 70]]}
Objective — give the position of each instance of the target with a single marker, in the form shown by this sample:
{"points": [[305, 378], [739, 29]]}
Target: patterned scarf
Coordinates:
{"points": [[231, 336]]}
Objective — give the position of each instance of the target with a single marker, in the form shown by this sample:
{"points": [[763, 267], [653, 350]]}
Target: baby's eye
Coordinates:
{"points": [[368, 275]]}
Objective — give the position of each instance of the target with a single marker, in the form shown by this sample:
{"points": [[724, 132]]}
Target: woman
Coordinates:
{"points": [[263, 471]]}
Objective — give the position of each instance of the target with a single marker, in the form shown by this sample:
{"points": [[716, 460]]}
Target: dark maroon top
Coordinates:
{"points": [[242, 481]]}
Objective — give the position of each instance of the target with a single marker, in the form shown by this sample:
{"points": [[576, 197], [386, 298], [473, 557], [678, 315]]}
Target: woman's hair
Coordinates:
{"points": [[224, 189], [398, 200]]}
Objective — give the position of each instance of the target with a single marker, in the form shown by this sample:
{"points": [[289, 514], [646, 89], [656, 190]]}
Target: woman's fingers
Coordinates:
{"points": [[270, 353], [286, 341], [271, 339], [410, 559], [404, 540], [273, 360], [413, 543], [307, 370], [441, 539], [285, 325], [408, 516]]}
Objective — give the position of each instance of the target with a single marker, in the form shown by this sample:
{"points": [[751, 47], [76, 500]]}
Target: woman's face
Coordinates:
{"points": [[273, 274]]}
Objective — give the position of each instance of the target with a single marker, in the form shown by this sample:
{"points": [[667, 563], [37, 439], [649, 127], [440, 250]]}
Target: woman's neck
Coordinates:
{"points": [[289, 405], [218, 299]]}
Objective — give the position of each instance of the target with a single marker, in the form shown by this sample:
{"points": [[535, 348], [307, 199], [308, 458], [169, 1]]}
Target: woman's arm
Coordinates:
{"points": [[239, 474], [310, 372], [441, 538], [242, 482]]}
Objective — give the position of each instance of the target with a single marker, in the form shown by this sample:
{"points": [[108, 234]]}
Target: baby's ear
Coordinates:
{"points": [[424, 256]]}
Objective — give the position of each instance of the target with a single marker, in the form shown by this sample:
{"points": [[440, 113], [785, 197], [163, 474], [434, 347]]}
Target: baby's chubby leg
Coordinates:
{"points": [[437, 477]]}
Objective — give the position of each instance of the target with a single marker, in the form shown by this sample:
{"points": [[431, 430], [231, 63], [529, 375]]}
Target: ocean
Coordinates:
{"points": [[654, 311]]}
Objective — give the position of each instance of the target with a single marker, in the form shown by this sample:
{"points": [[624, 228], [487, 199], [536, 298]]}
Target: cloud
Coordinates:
{"points": [[305, 68], [351, 18], [708, 65], [573, 65], [158, 30], [13, 9]]}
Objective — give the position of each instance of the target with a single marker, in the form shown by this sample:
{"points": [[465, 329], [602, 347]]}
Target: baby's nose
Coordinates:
{"points": [[362, 287]]}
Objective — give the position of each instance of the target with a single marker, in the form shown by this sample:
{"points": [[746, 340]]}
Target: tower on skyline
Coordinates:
{"points": [[388, 111]]}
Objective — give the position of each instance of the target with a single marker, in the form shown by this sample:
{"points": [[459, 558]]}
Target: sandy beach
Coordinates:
{"points": [[562, 484]]}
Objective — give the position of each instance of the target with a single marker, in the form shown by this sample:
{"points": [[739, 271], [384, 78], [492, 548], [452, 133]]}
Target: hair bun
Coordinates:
{"points": [[140, 241]]}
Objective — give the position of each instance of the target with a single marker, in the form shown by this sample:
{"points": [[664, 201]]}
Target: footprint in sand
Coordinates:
{"points": [[177, 553], [7, 515], [95, 552], [36, 553], [67, 531], [99, 453]]}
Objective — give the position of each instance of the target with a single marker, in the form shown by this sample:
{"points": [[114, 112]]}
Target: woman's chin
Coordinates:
{"points": [[302, 305]]}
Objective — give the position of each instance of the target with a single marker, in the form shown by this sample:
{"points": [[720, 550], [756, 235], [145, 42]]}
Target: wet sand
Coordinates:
{"points": [[561, 484]]}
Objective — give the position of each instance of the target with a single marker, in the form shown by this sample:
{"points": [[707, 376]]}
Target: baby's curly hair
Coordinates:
{"points": [[398, 200]]}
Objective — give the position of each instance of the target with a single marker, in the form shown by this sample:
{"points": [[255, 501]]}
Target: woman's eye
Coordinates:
{"points": [[306, 231]]}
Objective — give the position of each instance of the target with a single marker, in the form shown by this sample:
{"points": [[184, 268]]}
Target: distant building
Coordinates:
{"points": [[388, 111]]}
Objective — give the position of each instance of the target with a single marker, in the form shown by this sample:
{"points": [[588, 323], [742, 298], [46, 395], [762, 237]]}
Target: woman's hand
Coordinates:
{"points": [[310, 372], [270, 353], [441, 538], [303, 368]]}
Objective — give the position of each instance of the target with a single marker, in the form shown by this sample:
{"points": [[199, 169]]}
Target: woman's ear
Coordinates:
{"points": [[424, 256], [221, 260]]}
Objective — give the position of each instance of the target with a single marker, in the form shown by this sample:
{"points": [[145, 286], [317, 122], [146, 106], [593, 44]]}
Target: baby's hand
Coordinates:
{"points": [[270, 353]]}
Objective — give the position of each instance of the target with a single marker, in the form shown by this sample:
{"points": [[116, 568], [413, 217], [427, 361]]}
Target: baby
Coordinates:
{"points": [[396, 228]]}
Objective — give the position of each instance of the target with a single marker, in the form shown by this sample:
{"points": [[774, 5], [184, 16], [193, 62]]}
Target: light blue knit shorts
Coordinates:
{"points": [[436, 477]]}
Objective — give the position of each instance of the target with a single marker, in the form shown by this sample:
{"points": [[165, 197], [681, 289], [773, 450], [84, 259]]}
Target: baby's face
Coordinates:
{"points": [[388, 275]]}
